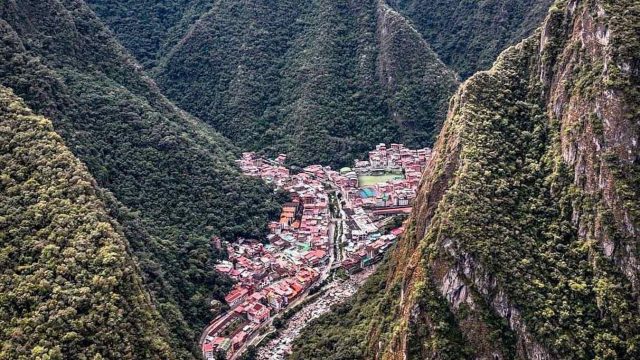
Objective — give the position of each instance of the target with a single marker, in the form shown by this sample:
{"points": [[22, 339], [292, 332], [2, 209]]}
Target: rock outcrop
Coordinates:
{"points": [[526, 223], [523, 240]]}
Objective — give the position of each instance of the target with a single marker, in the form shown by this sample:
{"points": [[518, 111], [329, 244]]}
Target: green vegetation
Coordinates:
{"points": [[342, 333], [507, 253], [69, 288], [150, 28], [250, 354], [235, 324], [313, 79], [468, 35], [322, 81], [445, 336], [395, 222], [511, 209], [340, 274], [531, 207], [366, 180], [169, 180]]}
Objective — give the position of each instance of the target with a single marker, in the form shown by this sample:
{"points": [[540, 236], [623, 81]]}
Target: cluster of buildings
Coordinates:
{"points": [[364, 252], [395, 157], [304, 222], [374, 189], [272, 273], [389, 178]]}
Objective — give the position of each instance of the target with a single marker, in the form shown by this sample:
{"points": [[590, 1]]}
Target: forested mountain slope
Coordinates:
{"points": [[523, 242], [320, 80], [468, 35], [172, 182], [150, 28], [68, 284]]}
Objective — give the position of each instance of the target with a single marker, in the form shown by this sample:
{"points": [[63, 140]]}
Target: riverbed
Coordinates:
{"points": [[336, 292]]}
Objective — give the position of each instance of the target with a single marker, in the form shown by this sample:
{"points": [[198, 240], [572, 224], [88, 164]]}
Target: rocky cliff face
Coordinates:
{"points": [[599, 117], [526, 223], [523, 241]]}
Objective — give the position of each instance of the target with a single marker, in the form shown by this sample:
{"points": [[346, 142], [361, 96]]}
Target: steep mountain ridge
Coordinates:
{"points": [[70, 288], [418, 74], [171, 180], [303, 78], [322, 81], [149, 29], [329, 105], [523, 241], [469, 34]]}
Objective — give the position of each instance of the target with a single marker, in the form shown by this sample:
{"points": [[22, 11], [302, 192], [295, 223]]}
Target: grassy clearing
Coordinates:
{"points": [[367, 180]]}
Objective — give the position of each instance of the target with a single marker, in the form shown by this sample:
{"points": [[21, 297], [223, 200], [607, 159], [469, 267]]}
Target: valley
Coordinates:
{"points": [[519, 243], [319, 180], [334, 228]]}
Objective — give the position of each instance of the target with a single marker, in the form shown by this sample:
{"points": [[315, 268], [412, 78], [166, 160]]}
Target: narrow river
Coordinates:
{"points": [[337, 292]]}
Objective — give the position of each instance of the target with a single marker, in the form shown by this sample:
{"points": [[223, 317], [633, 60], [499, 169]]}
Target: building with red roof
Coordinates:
{"points": [[238, 339], [207, 350], [258, 313], [236, 296], [315, 257]]}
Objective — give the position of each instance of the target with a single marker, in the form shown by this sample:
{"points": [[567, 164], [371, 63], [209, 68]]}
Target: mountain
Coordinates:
{"points": [[69, 284], [523, 241], [149, 29], [167, 178], [322, 80], [468, 35]]}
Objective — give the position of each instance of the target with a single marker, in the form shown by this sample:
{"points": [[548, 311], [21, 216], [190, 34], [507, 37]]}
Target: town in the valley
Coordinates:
{"points": [[338, 221]]}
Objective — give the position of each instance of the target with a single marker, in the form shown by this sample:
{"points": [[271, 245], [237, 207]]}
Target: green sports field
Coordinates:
{"points": [[366, 180]]}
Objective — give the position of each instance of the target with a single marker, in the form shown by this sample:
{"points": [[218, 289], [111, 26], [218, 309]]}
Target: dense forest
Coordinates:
{"points": [[322, 81], [149, 29], [468, 35], [170, 180], [524, 240], [69, 286]]}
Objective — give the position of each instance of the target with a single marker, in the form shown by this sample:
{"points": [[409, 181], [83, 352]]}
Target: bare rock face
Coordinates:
{"points": [[599, 132], [523, 241]]}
